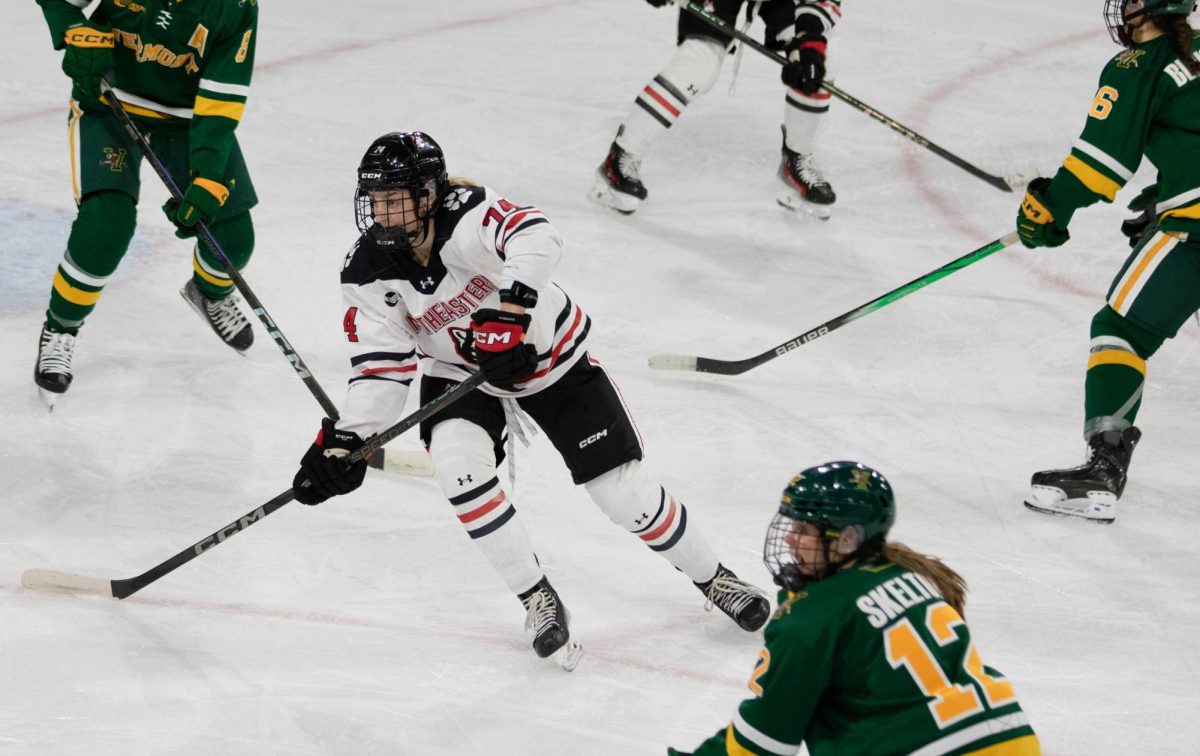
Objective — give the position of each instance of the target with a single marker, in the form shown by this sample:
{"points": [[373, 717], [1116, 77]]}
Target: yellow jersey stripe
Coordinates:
{"points": [[224, 283], [1026, 745], [137, 109], [208, 107], [732, 746], [1117, 357], [1141, 268], [1093, 179], [1191, 211], [72, 294]]}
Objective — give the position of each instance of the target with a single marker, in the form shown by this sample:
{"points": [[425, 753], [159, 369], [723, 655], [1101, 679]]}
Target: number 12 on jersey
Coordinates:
{"points": [[950, 701]]}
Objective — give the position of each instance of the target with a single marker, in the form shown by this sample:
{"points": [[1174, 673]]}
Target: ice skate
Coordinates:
{"points": [[224, 317], [804, 186], [618, 184], [745, 604], [1091, 490], [548, 620], [52, 371]]}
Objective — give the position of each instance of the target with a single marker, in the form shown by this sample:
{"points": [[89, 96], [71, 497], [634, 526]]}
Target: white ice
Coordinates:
{"points": [[371, 624]]}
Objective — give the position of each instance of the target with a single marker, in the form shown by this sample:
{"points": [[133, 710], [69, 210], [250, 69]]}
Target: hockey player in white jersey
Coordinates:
{"points": [[454, 276]]}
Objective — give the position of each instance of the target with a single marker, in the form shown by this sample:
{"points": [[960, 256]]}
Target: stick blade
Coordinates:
{"points": [[673, 362], [53, 581], [408, 462]]}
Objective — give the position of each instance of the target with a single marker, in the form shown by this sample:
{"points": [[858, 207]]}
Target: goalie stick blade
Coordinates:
{"points": [[673, 362], [53, 581]]}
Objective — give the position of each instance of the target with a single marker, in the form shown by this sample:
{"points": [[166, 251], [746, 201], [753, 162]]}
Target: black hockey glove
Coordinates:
{"points": [[1035, 219], [498, 346], [323, 469], [1146, 220], [805, 69]]}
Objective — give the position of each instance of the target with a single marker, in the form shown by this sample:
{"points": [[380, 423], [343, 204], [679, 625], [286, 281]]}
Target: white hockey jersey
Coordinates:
{"points": [[399, 313]]}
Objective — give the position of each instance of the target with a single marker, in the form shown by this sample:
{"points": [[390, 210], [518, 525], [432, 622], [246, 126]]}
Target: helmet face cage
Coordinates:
{"points": [[408, 161], [1117, 20], [834, 496]]}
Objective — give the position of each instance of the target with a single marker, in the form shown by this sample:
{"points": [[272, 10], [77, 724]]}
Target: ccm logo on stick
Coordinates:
{"points": [[593, 438]]}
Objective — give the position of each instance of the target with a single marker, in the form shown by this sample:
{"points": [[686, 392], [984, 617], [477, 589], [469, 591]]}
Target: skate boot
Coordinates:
{"points": [[224, 317], [1091, 490], [805, 188], [52, 372], [548, 620], [745, 604], [618, 184]]}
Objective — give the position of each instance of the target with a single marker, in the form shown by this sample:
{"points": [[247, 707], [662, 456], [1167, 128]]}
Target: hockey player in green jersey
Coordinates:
{"points": [[182, 70], [1147, 104], [868, 652]]}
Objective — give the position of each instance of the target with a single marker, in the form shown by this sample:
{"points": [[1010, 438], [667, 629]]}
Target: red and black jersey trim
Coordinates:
{"points": [[515, 223], [374, 356]]}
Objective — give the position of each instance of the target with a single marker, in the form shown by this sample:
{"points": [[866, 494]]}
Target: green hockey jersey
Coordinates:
{"points": [[873, 661], [1148, 104], [178, 64]]}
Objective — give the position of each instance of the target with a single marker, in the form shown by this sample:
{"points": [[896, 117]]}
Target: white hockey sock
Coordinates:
{"points": [[633, 500], [803, 116], [691, 73], [464, 465]]}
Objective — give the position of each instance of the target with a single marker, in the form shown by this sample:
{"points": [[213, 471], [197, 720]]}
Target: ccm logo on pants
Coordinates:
{"points": [[593, 438]]}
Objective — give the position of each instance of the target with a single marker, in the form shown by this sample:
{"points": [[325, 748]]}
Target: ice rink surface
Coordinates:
{"points": [[371, 624]]}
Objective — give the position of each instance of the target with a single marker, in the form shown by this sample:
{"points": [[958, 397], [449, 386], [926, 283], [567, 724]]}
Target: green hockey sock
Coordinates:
{"points": [[99, 238], [236, 237]]}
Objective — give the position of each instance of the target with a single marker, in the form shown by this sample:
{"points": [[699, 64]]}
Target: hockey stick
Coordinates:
{"points": [[1003, 184], [737, 367], [202, 231], [53, 581]]}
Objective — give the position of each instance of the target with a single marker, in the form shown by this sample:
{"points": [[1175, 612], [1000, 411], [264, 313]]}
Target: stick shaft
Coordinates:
{"points": [[891, 123], [210, 241], [48, 580], [737, 367]]}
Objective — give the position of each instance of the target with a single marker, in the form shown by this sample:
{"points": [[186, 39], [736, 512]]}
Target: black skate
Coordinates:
{"points": [[52, 371], [1091, 490], [618, 184], [224, 317], [745, 604], [549, 621], [805, 187]]}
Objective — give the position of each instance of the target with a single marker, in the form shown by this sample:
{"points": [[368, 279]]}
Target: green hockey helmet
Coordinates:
{"points": [[835, 497], [1119, 13]]}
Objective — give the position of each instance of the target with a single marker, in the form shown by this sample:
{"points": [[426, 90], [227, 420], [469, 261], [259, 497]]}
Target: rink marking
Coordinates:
{"points": [[594, 643], [932, 101]]}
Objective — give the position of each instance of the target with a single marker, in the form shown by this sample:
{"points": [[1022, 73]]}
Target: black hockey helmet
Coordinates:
{"points": [[408, 160], [1117, 18], [835, 497]]}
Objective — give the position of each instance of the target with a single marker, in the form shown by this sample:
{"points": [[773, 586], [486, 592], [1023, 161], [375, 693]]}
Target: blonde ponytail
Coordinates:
{"points": [[948, 582]]}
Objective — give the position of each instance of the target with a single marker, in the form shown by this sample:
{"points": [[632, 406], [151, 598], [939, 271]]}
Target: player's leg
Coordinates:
{"points": [[210, 291], [691, 73], [1154, 293], [104, 172], [466, 442], [804, 115], [585, 418]]}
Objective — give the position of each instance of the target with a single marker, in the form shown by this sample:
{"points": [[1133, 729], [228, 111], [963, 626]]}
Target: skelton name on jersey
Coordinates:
{"points": [[398, 312]]}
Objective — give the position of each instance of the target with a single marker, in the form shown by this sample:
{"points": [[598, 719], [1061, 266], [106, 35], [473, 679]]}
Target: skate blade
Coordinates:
{"points": [[792, 200], [1099, 506], [603, 194], [49, 398], [569, 655]]}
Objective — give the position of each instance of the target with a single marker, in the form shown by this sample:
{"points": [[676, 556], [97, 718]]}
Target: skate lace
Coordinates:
{"points": [[56, 352], [226, 317], [540, 612], [805, 168], [730, 594]]}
